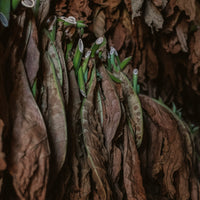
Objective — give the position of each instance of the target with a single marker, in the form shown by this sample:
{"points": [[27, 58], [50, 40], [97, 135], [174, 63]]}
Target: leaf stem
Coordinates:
{"points": [[135, 79]]}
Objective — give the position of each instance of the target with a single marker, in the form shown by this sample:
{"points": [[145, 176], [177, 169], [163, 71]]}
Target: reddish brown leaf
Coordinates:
{"points": [[79, 9], [166, 139], [132, 178], [93, 139], [112, 108], [188, 6]]}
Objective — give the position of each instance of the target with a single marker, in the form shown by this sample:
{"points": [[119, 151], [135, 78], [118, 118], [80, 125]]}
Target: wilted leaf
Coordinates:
{"points": [[112, 113], [136, 7], [53, 110], [65, 85], [43, 10], [132, 107], [188, 6], [53, 54], [118, 36], [166, 139], [99, 23], [182, 34], [152, 16], [93, 139], [29, 157], [79, 9], [132, 178]]}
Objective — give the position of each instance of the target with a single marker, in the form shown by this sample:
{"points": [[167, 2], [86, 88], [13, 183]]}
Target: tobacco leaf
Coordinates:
{"points": [[132, 178], [171, 44], [65, 85], [86, 184], [116, 171], [171, 22], [195, 188], [152, 16], [43, 10], [93, 140], [136, 7], [168, 156], [132, 107], [182, 34], [112, 108], [80, 10], [100, 106], [119, 36], [53, 53], [53, 110], [80, 181], [29, 153], [184, 5], [99, 23], [61, 8], [32, 55]]}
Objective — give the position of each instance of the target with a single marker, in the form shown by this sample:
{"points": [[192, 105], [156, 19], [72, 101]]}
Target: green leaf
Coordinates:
{"points": [[81, 82], [15, 4], [112, 58], [125, 62], [78, 55], [69, 48], [34, 89], [132, 107], [86, 60], [5, 12], [115, 79]]}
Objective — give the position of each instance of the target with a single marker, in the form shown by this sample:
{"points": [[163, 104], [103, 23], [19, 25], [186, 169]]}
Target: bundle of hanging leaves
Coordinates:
{"points": [[73, 124]]}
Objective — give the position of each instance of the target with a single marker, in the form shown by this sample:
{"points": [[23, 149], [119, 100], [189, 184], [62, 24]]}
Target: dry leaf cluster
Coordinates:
{"points": [[59, 143]]}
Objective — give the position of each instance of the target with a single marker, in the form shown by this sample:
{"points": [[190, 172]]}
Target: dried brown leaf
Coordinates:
{"points": [[169, 152], [188, 6], [79, 9], [29, 157], [53, 110], [43, 10], [112, 108], [182, 34], [99, 23], [152, 16], [65, 85], [136, 7], [132, 107], [132, 178], [93, 140]]}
